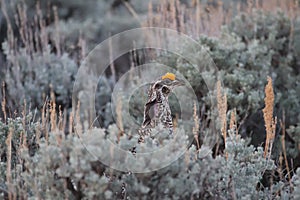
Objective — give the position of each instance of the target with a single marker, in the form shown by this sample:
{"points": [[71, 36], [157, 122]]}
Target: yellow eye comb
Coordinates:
{"points": [[168, 75]]}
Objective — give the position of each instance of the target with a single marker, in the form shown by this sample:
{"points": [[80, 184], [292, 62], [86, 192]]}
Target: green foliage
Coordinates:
{"points": [[23, 132], [64, 168], [33, 77], [190, 177], [296, 183], [268, 49], [294, 132], [249, 49], [271, 50]]}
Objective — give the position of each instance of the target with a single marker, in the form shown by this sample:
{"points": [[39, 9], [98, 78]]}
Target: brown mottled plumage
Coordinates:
{"points": [[157, 110]]}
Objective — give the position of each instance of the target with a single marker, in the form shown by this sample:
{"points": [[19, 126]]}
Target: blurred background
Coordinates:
{"points": [[44, 42]]}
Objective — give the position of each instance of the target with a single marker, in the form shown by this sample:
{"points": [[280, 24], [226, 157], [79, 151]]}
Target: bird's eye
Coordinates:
{"points": [[165, 90], [157, 85]]}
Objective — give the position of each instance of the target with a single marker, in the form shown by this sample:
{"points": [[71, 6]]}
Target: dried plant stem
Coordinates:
{"points": [[270, 122], [45, 114], [52, 112], [3, 103], [111, 59], [82, 45], [132, 11], [23, 136], [57, 30], [60, 119], [196, 126], [8, 166], [10, 32], [282, 125], [71, 121], [78, 126], [222, 109], [41, 30], [119, 117], [233, 123]]}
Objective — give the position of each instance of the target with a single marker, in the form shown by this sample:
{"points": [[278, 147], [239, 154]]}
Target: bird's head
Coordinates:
{"points": [[170, 80], [166, 83]]}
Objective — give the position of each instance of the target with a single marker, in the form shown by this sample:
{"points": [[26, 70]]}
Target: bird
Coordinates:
{"points": [[157, 109]]}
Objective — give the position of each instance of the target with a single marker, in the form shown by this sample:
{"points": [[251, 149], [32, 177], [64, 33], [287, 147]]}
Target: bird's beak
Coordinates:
{"points": [[178, 82]]}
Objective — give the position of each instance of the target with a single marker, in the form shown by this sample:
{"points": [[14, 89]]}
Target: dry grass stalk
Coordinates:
{"points": [[23, 136], [8, 166], [132, 11], [196, 126], [3, 103], [175, 15], [280, 166], [293, 6], [132, 64], [78, 126], [52, 106], [199, 18], [21, 22], [24, 114], [55, 125], [111, 59], [71, 121], [222, 110], [32, 34], [283, 5], [197, 15], [42, 34], [282, 125], [168, 15], [119, 117], [45, 114], [150, 14], [57, 30], [82, 45], [233, 123], [270, 122], [10, 33], [60, 119]]}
